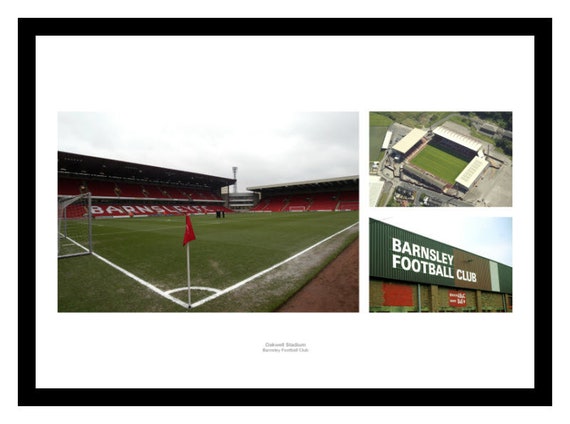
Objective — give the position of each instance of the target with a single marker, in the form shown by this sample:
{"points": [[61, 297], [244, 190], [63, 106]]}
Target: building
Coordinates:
{"points": [[387, 139], [242, 201], [376, 184], [412, 273], [411, 140], [472, 173]]}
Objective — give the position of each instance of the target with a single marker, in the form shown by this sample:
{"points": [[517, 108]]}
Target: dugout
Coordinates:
{"points": [[412, 273]]}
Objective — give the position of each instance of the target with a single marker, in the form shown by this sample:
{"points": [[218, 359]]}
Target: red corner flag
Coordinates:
{"points": [[189, 234]]}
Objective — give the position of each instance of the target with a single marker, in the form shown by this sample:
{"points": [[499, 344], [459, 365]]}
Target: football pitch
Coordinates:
{"points": [[440, 163], [240, 263]]}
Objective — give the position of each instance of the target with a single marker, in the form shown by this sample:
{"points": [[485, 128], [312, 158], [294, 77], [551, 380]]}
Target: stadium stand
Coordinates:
{"points": [[324, 202], [154, 192], [101, 188], [407, 144], [131, 190], [204, 195], [348, 201], [457, 144], [180, 193], [69, 186], [298, 203], [274, 204], [116, 192], [423, 176], [332, 194]]}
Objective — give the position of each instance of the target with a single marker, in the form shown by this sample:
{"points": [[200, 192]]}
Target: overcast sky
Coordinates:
{"points": [[266, 147], [489, 237]]}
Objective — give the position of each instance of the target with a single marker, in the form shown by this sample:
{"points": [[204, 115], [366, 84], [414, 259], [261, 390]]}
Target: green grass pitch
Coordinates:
{"points": [[439, 163], [226, 251]]}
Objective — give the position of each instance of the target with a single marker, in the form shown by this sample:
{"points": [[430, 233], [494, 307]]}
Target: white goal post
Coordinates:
{"points": [[74, 236]]}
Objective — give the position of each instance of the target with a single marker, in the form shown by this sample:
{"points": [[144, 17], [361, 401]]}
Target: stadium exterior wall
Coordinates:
{"points": [[412, 273]]}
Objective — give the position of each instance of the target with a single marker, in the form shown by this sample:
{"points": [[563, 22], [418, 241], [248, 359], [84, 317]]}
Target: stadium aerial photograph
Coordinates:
{"points": [[233, 212], [440, 159]]}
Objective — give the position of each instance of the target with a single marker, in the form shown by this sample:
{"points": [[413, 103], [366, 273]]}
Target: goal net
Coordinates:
{"points": [[74, 225]]}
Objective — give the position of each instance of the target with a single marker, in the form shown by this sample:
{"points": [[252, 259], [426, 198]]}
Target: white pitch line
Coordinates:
{"points": [[217, 292], [193, 288], [141, 281], [259, 274], [74, 243]]}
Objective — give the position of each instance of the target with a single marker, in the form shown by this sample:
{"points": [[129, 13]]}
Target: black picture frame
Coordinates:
{"points": [[28, 392]]}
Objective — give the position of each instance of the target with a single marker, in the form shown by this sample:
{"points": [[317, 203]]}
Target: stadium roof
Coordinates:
{"points": [[387, 139], [81, 166], [375, 187], [471, 172], [409, 140], [463, 140], [336, 183]]}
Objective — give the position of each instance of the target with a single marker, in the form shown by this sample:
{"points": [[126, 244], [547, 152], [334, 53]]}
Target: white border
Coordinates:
{"points": [[317, 73]]}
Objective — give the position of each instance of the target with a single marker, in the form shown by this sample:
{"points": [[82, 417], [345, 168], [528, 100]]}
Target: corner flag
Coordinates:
{"points": [[189, 233], [188, 236]]}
